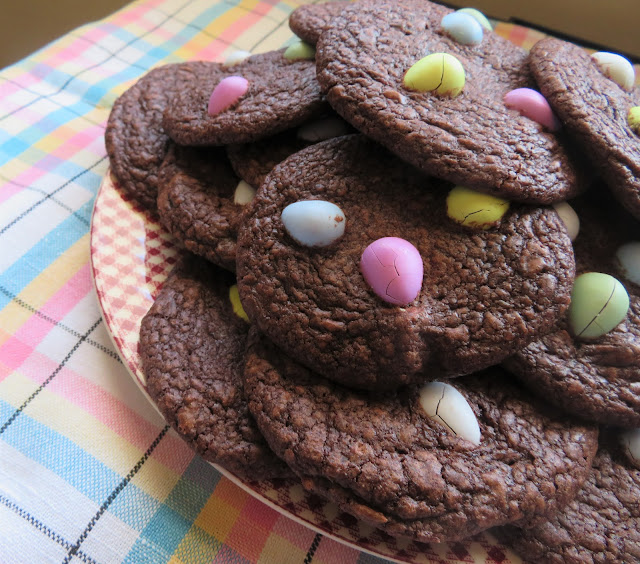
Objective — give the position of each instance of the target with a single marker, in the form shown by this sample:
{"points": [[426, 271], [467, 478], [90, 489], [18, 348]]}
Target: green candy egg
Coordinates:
{"points": [[475, 209], [300, 50], [440, 73], [634, 119], [478, 16], [599, 302]]}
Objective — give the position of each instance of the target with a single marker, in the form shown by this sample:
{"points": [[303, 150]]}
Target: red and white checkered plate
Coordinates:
{"points": [[131, 256]]}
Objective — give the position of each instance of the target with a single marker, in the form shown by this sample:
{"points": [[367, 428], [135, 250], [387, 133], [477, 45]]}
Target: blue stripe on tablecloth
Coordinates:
{"points": [[45, 252]]}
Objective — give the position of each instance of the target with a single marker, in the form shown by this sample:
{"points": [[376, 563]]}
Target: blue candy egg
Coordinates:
{"points": [[463, 28]]}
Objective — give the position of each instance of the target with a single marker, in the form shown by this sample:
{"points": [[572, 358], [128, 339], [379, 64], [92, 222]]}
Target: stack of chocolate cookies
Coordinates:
{"points": [[384, 294]]}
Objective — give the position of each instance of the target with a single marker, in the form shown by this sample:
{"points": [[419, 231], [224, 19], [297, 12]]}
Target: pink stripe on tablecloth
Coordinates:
{"points": [[106, 408]]}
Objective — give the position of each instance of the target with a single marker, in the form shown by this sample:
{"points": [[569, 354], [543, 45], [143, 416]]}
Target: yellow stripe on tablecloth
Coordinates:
{"points": [[92, 436], [218, 517], [42, 288]]}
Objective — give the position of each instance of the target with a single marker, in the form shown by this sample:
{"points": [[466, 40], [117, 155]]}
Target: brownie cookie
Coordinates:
{"points": [[281, 93], [597, 378], [196, 202], [310, 20], [484, 294], [383, 459], [471, 139], [594, 110], [253, 161], [192, 350], [601, 525], [135, 139]]}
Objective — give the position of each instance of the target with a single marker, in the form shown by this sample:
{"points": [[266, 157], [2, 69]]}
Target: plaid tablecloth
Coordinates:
{"points": [[88, 470]]}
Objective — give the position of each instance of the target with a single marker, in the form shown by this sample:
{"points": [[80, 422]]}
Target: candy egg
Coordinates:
{"points": [[236, 57], [630, 440], [440, 73], [478, 16], [599, 302], [244, 193], [475, 209], [227, 92], [393, 268], [234, 298], [464, 28], [446, 404], [628, 256], [569, 217], [530, 103], [300, 50], [322, 129], [617, 68], [633, 118], [313, 223]]}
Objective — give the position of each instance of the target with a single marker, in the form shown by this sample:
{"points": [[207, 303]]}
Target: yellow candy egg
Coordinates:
{"points": [[475, 209], [440, 73], [234, 298], [634, 119]]}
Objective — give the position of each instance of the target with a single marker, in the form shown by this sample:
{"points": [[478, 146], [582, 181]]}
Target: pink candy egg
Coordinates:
{"points": [[393, 268], [530, 103], [228, 91]]}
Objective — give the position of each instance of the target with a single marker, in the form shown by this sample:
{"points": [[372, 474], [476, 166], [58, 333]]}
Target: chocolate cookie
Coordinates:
{"points": [[196, 202], [382, 458], [484, 293], [601, 525], [594, 109], [310, 20], [253, 161], [135, 139], [596, 378], [192, 349], [471, 139], [281, 93]]}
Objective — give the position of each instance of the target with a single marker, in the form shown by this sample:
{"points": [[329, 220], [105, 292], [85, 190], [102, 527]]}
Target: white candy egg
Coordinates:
{"points": [[322, 129], [629, 257], [463, 28], [244, 193], [617, 68], [569, 217], [631, 443], [314, 223], [446, 404], [236, 57]]}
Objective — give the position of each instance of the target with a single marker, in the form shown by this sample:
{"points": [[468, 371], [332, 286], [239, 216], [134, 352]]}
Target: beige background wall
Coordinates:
{"points": [[27, 25]]}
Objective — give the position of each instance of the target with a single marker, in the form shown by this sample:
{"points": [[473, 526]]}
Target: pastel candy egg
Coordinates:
{"points": [[440, 73], [530, 103], [236, 57], [617, 68], [393, 268], [313, 223], [599, 302], [300, 50], [462, 27], [633, 118], [475, 209], [226, 93], [322, 129], [569, 217], [628, 256], [234, 298], [478, 16], [630, 440], [244, 193], [446, 404]]}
